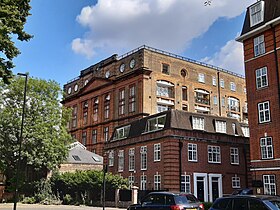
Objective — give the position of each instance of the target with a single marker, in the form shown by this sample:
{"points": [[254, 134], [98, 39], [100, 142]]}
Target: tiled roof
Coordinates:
{"points": [[79, 155]]}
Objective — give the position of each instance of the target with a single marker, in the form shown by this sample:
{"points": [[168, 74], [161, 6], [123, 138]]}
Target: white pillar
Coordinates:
{"points": [[134, 194]]}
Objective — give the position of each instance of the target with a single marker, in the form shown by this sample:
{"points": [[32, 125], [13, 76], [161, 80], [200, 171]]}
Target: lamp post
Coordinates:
{"points": [[20, 140]]}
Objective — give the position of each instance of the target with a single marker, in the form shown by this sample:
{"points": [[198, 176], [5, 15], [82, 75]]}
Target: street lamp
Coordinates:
{"points": [[20, 140]]}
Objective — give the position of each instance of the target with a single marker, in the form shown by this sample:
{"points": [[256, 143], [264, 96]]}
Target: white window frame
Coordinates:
{"points": [[266, 146], [269, 184], [143, 182], [122, 132], [192, 152], [143, 157], [234, 156], [214, 82], [131, 181], [215, 100], [185, 183], [222, 83], [246, 131], [264, 112], [157, 124], [235, 182], [221, 126], [131, 159], [121, 160], [157, 182], [111, 158], [198, 123], [157, 152], [256, 13], [232, 86], [259, 45], [201, 77], [214, 154], [261, 78]]}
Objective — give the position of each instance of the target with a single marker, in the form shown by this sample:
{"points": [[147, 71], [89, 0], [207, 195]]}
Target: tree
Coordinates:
{"points": [[208, 2], [13, 14], [45, 137]]}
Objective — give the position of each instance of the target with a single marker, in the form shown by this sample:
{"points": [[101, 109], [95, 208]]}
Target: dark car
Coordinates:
{"points": [[247, 202], [246, 191], [168, 201]]}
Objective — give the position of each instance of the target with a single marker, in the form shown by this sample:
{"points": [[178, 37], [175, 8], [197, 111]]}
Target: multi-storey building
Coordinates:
{"points": [[261, 40], [146, 81], [181, 151]]}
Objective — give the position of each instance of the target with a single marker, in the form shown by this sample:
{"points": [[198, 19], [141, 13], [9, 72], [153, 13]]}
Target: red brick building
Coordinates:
{"points": [[261, 40], [181, 151]]}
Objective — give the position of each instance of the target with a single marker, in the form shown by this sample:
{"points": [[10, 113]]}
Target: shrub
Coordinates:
{"points": [[67, 199], [29, 200]]}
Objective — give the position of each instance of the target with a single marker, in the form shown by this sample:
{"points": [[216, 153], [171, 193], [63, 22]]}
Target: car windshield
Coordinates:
{"points": [[191, 199], [274, 204], [180, 199]]}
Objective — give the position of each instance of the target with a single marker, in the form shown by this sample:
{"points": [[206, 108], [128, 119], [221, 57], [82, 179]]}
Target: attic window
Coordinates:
{"points": [[156, 123], [122, 132], [96, 159], [256, 13], [76, 157]]}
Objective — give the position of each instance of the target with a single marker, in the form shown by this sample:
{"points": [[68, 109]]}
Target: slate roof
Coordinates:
{"points": [[79, 155], [271, 12]]}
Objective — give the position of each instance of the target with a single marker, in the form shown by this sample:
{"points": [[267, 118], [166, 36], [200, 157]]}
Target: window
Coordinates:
{"points": [[121, 160], [131, 181], [157, 152], [223, 101], [198, 123], [76, 157], [84, 137], [165, 69], [232, 86], [74, 116], [132, 99], [184, 93], [95, 109], [264, 112], [162, 108], [201, 78], [233, 104], [122, 132], [261, 77], [131, 160], [157, 181], [269, 184], [202, 96], [214, 155], [222, 83], [259, 45], [234, 130], [234, 156], [85, 112], [165, 89], [192, 152], [221, 126], [106, 133], [156, 123], [256, 13], [94, 136], [266, 148], [107, 107], [214, 82], [185, 183], [245, 131], [111, 158], [121, 101], [235, 181], [143, 184], [215, 100], [143, 153]]}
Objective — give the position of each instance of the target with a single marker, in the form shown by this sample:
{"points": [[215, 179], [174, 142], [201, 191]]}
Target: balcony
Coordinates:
{"points": [[199, 100], [234, 108]]}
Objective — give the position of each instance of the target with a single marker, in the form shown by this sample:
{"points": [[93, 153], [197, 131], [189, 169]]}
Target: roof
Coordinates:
{"points": [[179, 119], [79, 155], [271, 14]]}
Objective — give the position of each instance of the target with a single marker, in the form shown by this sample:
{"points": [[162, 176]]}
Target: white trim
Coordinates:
{"points": [[220, 185], [165, 101], [204, 175], [200, 108], [165, 83], [264, 169], [265, 160], [257, 30], [201, 91], [267, 53]]}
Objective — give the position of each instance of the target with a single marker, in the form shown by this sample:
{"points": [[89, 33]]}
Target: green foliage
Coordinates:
{"points": [[13, 14], [85, 186], [67, 199], [207, 205], [45, 137], [29, 200]]}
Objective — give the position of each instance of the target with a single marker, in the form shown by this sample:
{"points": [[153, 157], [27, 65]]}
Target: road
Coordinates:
{"points": [[9, 206]]}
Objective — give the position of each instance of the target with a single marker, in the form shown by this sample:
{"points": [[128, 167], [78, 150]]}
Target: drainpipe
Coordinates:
{"points": [[246, 166], [219, 93], [180, 163], [276, 61]]}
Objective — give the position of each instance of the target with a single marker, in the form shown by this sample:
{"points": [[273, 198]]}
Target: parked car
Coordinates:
{"points": [[245, 191], [247, 202], [168, 201]]}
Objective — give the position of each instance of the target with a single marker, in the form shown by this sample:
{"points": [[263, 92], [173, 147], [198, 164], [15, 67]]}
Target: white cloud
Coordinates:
{"points": [[229, 57], [117, 25]]}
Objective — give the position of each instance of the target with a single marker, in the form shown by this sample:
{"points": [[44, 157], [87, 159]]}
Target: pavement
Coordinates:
{"points": [[10, 206]]}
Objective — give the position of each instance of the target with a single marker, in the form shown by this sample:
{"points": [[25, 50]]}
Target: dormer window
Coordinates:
{"points": [[256, 13], [121, 132], [156, 123]]}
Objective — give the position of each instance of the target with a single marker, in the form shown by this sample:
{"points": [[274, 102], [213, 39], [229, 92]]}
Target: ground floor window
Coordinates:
{"points": [[185, 183], [157, 182], [269, 184]]}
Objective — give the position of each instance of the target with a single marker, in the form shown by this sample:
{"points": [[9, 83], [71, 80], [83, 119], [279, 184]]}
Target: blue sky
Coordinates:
{"points": [[70, 35]]}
